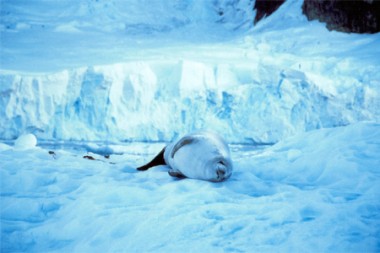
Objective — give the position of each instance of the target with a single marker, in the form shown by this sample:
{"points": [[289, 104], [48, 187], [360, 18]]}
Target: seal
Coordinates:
{"points": [[201, 155]]}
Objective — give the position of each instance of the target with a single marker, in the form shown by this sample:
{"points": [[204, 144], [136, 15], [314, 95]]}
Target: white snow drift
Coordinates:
{"points": [[317, 191]]}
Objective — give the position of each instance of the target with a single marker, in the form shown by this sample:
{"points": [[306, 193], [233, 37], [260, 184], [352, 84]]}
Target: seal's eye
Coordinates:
{"points": [[222, 163]]}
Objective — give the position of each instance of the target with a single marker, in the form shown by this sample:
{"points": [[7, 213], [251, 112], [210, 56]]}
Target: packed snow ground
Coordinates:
{"points": [[315, 192], [84, 76]]}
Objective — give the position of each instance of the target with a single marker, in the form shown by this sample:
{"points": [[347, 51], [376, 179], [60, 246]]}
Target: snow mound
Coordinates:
{"points": [[4, 147], [26, 141]]}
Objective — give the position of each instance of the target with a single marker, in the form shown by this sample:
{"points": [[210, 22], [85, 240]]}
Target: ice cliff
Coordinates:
{"points": [[85, 75], [158, 100]]}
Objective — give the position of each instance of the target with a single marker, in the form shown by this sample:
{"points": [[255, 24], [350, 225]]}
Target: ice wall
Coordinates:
{"points": [[249, 101], [163, 69]]}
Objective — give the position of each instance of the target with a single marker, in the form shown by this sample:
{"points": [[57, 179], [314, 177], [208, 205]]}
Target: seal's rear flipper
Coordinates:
{"points": [[158, 160]]}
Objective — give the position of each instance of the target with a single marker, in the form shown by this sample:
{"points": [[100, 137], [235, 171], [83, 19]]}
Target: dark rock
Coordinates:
{"points": [[359, 16], [89, 157], [52, 153], [265, 8]]}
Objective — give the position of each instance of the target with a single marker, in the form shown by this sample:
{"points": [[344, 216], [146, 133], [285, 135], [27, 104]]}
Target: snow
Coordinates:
{"points": [[26, 141], [121, 78], [317, 190]]}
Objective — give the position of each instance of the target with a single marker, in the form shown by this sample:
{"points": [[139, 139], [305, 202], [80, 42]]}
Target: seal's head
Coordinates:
{"points": [[219, 170]]}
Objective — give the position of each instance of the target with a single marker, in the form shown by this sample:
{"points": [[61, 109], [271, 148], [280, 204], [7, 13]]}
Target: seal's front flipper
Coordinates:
{"points": [[158, 160], [176, 173], [182, 142]]}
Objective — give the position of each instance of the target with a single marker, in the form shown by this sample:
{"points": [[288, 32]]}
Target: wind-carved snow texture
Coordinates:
{"points": [[248, 102], [317, 191]]}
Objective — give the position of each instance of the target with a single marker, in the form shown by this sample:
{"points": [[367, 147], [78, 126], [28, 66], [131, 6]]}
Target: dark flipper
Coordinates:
{"points": [[158, 160], [176, 174]]}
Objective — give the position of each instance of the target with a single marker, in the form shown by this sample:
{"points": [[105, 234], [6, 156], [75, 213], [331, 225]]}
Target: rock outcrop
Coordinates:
{"points": [[360, 16], [265, 8]]}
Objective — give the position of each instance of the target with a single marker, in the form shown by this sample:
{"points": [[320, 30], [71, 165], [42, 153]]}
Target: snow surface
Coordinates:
{"points": [[315, 192], [86, 76]]}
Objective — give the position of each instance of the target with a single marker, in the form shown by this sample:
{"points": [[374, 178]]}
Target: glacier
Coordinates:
{"points": [[255, 87], [158, 100]]}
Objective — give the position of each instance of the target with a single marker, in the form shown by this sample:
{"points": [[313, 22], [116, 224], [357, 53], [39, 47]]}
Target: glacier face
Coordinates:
{"points": [[90, 71], [157, 100]]}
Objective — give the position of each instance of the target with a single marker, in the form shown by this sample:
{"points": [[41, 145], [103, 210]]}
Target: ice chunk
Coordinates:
{"points": [[26, 141]]}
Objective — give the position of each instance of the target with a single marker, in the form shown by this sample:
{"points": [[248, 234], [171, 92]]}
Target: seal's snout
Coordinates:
{"points": [[220, 173]]}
